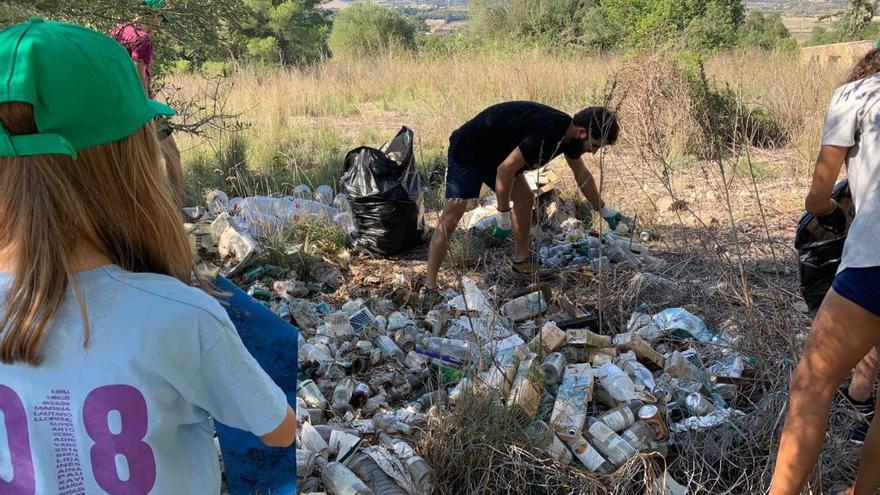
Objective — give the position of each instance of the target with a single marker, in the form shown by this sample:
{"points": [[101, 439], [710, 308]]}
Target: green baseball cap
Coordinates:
{"points": [[81, 83]]}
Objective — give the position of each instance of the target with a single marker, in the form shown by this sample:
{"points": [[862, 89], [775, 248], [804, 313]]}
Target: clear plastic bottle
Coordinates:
{"points": [[422, 473], [525, 307], [339, 480], [342, 395], [609, 443], [616, 382], [621, 417], [389, 348], [638, 372], [305, 462], [370, 472], [311, 394], [457, 350], [589, 456]]}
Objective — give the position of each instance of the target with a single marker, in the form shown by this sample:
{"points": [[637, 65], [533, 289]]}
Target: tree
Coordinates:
{"points": [[856, 18], [764, 31], [287, 31], [548, 22], [366, 29]]}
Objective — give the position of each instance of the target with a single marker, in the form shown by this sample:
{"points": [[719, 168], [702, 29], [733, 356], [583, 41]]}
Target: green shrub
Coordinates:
{"points": [[366, 29], [764, 31]]}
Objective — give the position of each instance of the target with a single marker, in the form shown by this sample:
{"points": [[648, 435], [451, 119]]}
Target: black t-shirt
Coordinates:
{"points": [[488, 139]]}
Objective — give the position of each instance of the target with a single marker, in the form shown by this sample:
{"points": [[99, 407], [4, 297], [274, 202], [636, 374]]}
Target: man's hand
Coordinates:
{"points": [[503, 225], [835, 220], [611, 216]]}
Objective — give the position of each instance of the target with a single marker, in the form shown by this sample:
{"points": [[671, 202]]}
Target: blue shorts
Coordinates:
{"points": [[861, 286], [463, 182]]}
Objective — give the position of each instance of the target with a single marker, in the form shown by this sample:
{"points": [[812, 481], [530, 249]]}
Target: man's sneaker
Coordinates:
{"points": [[528, 269], [865, 411]]}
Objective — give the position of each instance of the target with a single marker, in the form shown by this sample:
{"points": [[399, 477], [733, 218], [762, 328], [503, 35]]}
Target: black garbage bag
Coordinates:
{"points": [[386, 198], [820, 251]]}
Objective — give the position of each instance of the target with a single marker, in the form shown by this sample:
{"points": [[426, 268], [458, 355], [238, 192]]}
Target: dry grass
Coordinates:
{"points": [[718, 220]]}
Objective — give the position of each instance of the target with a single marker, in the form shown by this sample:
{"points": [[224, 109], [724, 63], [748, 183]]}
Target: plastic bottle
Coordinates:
{"points": [[621, 417], [311, 439], [638, 372], [389, 348], [588, 455], [339, 480], [616, 382], [640, 436], [575, 393], [324, 194], [397, 320], [458, 351], [342, 395], [311, 394], [370, 472], [553, 368], [525, 307], [544, 438], [609, 443], [425, 402], [302, 191], [422, 473]]}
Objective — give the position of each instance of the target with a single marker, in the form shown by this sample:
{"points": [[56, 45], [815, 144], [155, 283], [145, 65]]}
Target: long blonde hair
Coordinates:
{"points": [[113, 196]]}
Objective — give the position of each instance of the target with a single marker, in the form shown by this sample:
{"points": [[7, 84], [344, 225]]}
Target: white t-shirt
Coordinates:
{"points": [[129, 413], [853, 120]]}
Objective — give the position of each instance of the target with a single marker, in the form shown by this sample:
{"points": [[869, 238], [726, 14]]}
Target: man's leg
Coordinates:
{"points": [[862, 385], [174, 170], [453, 210], [868, 478], [842, 334], [523, 204]]}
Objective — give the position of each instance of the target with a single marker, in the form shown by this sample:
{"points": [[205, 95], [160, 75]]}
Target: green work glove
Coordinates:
{"points": [[612, 217], [503, 226]]}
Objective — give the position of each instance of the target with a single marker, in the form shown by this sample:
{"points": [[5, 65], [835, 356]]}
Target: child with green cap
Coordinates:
{"points": [[111, 363]]}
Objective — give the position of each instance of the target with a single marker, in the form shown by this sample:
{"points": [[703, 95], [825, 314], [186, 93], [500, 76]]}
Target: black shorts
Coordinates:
{"points": [[463, 182], [861, 286]]}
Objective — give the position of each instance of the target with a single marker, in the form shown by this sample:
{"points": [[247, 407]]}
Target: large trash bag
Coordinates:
{"points": [[820, 251], [385, 192]]}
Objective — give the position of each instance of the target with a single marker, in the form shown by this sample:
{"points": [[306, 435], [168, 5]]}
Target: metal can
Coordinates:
{"points": [[699, 405], [553, 368], [651, 415]]}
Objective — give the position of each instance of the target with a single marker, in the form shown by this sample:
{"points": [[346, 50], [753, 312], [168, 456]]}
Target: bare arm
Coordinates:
{"points": [[284, 435], [828, 166], [585, 182], [504, 178]]}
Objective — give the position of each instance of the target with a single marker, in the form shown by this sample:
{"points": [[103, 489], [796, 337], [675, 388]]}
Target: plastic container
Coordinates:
{"points": [[525, 307], [302, 191], [324, 194], [305, 462], [389, 348], [459, 351], [639, 373], [609, 443], [640, 436], [360, 395], [311, 394], [372, 475], [621, 417], [553, 368], [340, 480], [588, 455], [616, 382], [422, 473], [342, 395]]}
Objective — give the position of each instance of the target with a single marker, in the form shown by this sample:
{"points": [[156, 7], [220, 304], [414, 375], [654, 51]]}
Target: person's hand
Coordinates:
{"points": [[835, 220], [611, 216], [502, 228]]}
